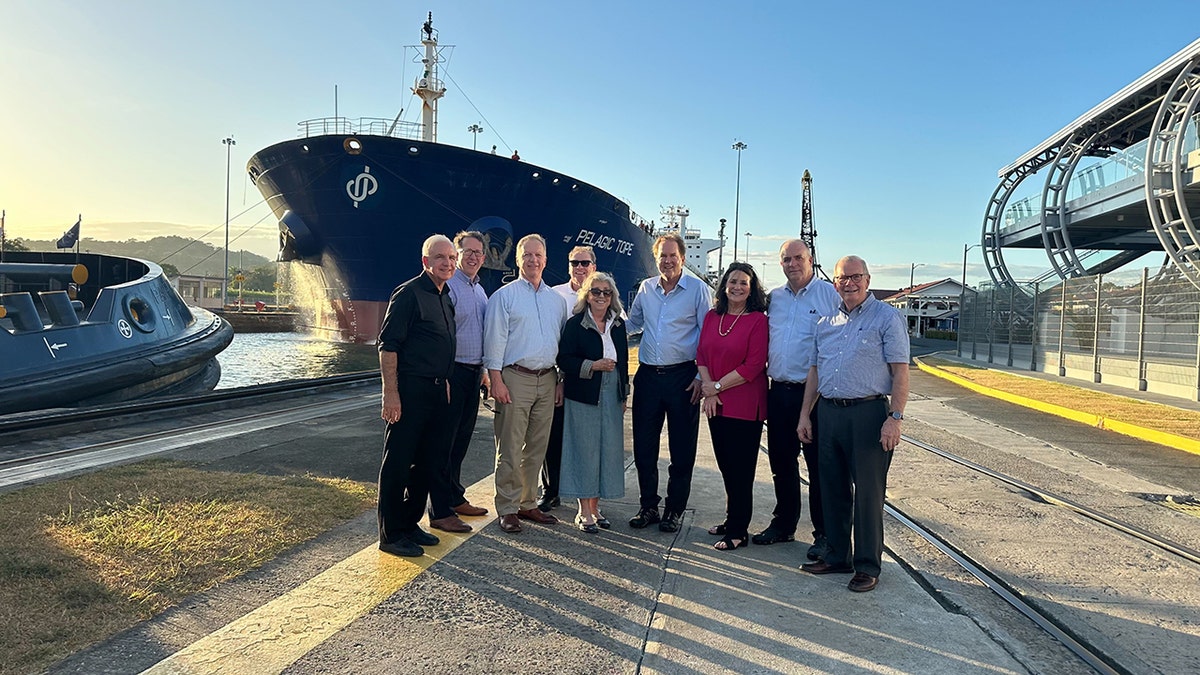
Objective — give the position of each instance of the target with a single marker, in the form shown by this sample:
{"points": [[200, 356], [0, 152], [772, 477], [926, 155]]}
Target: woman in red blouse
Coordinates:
{"points": [[732, 360]]}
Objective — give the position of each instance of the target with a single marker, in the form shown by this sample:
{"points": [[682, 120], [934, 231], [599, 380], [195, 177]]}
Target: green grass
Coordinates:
{"points": [[84, 558]]}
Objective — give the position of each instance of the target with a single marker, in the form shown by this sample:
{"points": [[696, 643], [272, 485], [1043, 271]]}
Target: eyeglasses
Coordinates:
{"points": [[471, 253], [597, 292], [853, 278], [580, 263]]}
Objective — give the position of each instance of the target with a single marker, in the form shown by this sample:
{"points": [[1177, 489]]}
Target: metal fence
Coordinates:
{"points": [[1136, 329]]}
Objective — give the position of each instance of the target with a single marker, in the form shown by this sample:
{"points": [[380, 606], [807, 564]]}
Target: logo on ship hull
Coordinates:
{"points": [[362, 186]]}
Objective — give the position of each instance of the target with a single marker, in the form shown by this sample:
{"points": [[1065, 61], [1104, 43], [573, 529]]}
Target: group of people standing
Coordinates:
{"points": [[557, 362]]}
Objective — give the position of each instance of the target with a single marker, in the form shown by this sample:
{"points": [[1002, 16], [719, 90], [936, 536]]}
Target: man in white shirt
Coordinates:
{"points": [[520, 345]]}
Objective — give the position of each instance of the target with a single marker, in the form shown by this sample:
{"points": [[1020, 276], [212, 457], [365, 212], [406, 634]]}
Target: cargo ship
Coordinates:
{"points": [[355, 198]]}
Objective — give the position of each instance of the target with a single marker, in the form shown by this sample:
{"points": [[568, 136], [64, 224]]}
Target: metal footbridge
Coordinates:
{"points": [[1121, 181]]}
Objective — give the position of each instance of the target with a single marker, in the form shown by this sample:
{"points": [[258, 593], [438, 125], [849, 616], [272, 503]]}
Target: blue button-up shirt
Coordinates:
{"points": [[670, 323], [470, 305], [522, 326], [854, 350], [792, 319]]}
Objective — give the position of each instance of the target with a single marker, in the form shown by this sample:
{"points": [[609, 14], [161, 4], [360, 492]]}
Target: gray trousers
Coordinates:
{"points": [[854, 469]]}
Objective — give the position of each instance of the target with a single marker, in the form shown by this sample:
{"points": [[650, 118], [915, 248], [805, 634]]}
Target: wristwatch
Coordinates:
{"points": [[717, 385], [897, 415]]}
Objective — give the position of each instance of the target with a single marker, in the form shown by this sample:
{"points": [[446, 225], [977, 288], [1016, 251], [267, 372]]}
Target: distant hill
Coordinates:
{"points": [[189, 256]]}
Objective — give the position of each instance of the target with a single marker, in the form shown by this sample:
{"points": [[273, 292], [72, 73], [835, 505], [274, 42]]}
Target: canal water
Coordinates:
{"points": [[262, 358]]}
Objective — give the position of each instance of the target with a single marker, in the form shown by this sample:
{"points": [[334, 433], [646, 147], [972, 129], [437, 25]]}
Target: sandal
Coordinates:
{"points": [[585, 526], [717, 530], [603, 522], [731, 543]]}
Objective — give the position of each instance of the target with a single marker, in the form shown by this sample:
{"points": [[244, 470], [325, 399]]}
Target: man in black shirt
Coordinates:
{"points": [[416, 359]]}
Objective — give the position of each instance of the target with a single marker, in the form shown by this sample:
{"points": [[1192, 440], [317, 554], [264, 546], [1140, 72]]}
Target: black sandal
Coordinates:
{"points": [[731, 543], [772, 536], [717, 530]]}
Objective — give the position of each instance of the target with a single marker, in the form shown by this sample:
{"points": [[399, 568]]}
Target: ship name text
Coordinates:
{"points": [[604, 241]]}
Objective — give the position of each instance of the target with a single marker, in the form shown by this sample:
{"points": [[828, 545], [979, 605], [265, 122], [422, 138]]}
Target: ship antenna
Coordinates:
{"points": [[428, 86]]}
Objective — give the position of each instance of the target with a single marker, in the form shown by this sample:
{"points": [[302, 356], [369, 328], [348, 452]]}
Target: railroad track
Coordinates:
{"points": [[27, 467], [1029, 602]]}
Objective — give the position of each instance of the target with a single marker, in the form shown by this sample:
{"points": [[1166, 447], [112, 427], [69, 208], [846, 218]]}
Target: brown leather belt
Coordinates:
{"points": [[531, 371]]}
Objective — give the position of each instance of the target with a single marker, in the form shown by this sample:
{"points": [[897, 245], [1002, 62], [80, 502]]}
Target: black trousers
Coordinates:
{"points": [[461, 418], [735, 445], [784, 402], [415, 449], [660, 394], [854, 469], [553, 464]]}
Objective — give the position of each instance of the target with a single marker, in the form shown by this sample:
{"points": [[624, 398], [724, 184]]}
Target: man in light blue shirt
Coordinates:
{"points": [[792, 317], [470, 306], [861, 360], [520, 346], [669, 310]]}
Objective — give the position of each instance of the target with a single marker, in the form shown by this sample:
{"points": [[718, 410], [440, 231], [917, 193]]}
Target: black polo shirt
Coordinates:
{"points": [[419, 328]]}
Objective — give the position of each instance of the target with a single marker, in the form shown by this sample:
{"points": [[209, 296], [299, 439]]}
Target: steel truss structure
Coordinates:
{"points": [[1156, 108]]}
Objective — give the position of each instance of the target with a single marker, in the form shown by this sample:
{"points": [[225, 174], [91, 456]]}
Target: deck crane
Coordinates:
{"points": [[808, 231]]}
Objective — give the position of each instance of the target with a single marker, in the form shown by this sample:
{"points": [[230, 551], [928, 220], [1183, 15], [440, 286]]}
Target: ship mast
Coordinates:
{"points": [[428, 86]]}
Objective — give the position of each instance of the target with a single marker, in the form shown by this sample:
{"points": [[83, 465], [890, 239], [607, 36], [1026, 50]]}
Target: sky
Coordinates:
{"points": [[903, 112]]}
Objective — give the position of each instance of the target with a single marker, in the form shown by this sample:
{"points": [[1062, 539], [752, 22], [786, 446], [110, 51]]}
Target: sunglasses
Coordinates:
{"points": [[597, 292], [580, 263]]}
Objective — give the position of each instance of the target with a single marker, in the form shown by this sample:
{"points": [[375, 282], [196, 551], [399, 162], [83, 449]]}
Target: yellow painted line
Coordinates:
{"points": [[1124, 428], [277, 634], [1189, 508]]}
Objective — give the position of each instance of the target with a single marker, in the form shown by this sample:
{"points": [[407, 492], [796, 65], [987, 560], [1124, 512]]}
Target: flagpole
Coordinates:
{"points": [[79, 222], [3, 235]]}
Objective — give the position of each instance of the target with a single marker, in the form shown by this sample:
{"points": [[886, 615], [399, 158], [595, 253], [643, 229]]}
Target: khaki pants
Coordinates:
{"points": [[522, 432]]}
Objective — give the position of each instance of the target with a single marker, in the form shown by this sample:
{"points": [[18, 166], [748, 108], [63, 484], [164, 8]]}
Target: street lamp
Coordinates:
{"points": [[748, 235], [911, 270], [475, 130], [962, 297], [229, 143], [721, 251], [737, 197]]}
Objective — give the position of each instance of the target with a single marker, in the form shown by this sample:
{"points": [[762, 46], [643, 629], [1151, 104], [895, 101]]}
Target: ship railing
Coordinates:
{"points": [[363, 126]]}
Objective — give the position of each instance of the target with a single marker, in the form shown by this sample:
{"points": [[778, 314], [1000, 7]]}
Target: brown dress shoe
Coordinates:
{"points": [[822, 567], [450, 524], [861, 583], [509, 523], [469, 509], [537, 516]]}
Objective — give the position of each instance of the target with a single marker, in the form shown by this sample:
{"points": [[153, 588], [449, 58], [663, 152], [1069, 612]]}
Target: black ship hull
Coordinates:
{"points": [[355, 210]]}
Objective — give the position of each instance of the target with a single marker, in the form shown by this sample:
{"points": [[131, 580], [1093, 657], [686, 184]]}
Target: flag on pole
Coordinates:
{"points": [[70, 236]]}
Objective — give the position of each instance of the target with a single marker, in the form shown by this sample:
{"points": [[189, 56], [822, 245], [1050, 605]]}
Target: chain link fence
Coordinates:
{"points": [[1136, 329]]}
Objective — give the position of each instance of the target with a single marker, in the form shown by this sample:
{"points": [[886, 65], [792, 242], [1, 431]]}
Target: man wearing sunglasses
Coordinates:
{"points": [[582, 260], [861, 359]]}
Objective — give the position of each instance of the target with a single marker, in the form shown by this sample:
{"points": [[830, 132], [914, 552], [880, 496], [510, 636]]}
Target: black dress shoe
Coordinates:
{"points": [[421, 537], [861, 583], [671, 522], [772, 536], [402, 547], [643, 518], [822, 567], [547, 505]]}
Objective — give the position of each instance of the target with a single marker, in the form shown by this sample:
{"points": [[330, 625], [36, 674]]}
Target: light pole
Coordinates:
{"points": [[748, 235], [229, 143], [475, 130], [721, 251], [737, 195], [962, 299], [917, 321]]}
